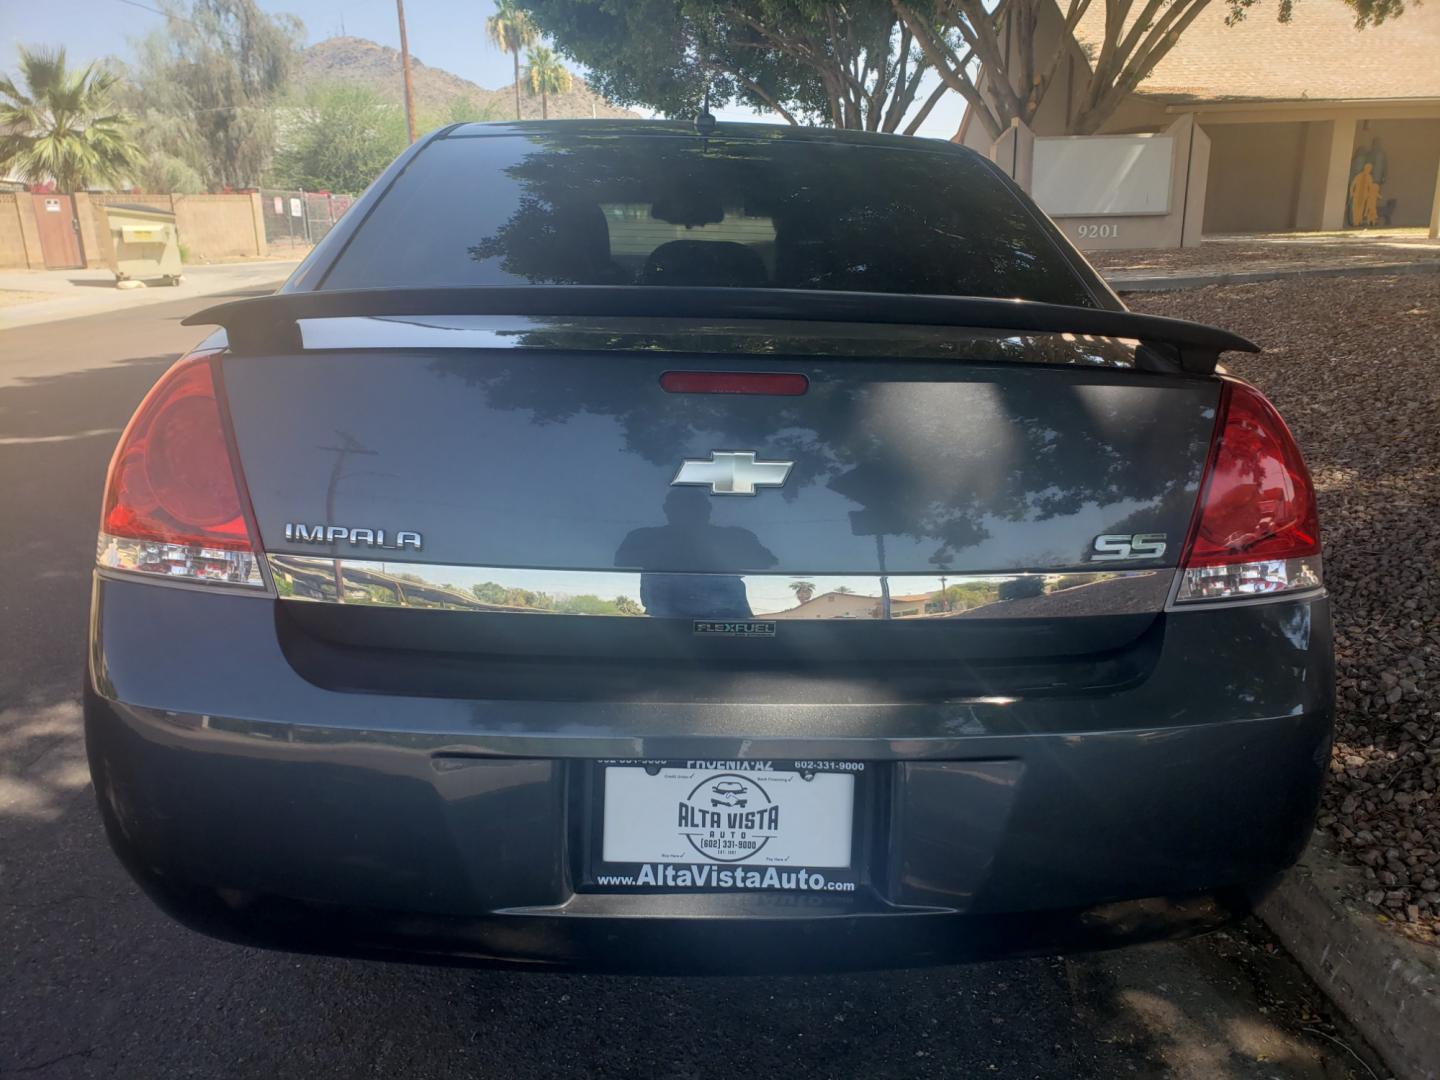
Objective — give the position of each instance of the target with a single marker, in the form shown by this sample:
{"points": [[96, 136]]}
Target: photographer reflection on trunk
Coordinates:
{"points": [[710, 589]]}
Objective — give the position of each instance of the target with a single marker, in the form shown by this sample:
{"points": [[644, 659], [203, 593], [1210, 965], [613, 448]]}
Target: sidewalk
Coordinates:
{"points": [[38, 296]]}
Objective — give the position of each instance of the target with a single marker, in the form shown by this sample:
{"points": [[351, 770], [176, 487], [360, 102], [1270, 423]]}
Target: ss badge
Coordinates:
{"points": [[1112, 547]]}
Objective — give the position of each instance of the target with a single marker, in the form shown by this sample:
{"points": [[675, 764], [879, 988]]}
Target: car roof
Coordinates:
{"points": [[724, 132]]}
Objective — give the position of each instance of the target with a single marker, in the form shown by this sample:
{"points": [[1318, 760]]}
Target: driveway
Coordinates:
{"points": [[95, 982]]}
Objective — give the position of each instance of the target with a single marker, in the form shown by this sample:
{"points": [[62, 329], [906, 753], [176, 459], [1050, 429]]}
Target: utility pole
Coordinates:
{"points": [[405, 67]]}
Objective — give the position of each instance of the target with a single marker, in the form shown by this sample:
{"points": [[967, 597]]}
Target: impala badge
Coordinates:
{"points": [[333, 534], [732, 472]]}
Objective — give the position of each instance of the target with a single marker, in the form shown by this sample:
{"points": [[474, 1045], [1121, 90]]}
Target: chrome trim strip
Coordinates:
{"points": [[633, 593]]}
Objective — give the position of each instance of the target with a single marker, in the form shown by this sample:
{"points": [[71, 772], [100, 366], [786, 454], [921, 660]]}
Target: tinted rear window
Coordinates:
{"points": [[630, 209]]}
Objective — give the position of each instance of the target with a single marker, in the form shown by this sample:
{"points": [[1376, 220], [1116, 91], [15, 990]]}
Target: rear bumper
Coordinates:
{"points": [[259, 807]]}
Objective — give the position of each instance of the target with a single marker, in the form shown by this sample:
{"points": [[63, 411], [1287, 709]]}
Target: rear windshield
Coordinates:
{"points": [[629, 209]]}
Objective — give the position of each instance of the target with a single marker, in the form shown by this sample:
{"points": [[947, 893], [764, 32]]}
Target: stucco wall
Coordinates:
{"points": [[1413, 150], [1254, 178]]}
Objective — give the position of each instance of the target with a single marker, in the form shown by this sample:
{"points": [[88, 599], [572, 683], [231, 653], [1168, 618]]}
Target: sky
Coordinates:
{"points": [[447, 34]]}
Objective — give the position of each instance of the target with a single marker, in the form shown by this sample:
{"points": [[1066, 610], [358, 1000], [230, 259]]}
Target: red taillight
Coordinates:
{"points": [[1257, 503], [174, 501], [788, 384]]}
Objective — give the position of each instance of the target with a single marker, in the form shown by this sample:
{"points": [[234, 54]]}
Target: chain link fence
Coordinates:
{"points": [[300, 218]]}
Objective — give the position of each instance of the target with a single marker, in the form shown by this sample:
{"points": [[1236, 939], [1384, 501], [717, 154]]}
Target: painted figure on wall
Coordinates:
{"points": [[1365, 198], [1369, 169]]}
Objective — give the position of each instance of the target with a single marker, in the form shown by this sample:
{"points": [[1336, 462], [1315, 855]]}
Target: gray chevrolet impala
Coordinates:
{"points": [[659, 546]]}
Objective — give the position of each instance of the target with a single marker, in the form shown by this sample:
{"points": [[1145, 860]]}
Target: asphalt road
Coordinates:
{"points": [[95, 982]]}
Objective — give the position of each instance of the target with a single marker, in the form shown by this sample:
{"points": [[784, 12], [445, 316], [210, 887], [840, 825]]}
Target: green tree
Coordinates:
{"points": [[173, 158], [462, 109], [511, 30], [546, 75], [992, 53], [853, 66], [219, 70], [803, 590], [338, 137], [60, 124]]}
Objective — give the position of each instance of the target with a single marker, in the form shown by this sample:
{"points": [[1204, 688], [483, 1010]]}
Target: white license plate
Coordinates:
{"points": [[746, 813]]}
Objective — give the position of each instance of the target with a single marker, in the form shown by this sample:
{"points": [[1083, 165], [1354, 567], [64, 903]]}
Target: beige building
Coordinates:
{"points": [[833, 605], [1260, 124]]}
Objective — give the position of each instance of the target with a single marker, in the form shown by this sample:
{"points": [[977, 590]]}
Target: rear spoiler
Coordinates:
{"points": [[269, 324]]}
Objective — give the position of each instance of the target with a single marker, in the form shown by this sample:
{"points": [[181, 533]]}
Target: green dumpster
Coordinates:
{"points": [[143, 243]]}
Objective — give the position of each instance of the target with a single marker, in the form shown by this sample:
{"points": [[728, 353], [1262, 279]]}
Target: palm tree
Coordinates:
{"points": [[803, 590], [511, 30], [62, 126], [546, 76]]}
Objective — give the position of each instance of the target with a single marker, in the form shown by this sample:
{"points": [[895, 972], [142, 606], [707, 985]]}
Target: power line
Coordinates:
{"points": [[180, 18], [157, 11]]}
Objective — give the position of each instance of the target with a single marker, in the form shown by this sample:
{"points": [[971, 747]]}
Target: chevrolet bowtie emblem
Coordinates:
{"points": [[732, 472]]}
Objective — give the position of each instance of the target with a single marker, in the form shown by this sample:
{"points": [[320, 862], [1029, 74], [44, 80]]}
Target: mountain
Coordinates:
{"points": [[352, 59]]}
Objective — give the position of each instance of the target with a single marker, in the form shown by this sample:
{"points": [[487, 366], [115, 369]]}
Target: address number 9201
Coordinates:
{"points": [[1097, 232]]}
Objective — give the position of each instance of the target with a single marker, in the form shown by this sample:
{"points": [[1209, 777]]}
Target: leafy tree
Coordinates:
{"points": [[220, 69], [624, 605], [546, 75], [173, 158], [488, 592], [63, 125], [958, 598], [989, 53], [511, 30], [853, 66], [169, 161], [341, 136], [803, 590]]}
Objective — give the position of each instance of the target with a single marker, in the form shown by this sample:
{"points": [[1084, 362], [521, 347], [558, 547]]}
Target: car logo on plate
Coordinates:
{"points": [[732, 472], [728, 817]]}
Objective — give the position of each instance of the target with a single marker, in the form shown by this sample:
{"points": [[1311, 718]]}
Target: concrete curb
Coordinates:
{"points": [[1385, 984], [1173, 282]]}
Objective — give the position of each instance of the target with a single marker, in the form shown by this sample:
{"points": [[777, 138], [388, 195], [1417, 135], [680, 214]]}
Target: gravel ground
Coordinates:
{"points": [[1353, 367], [1239, 254]]}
